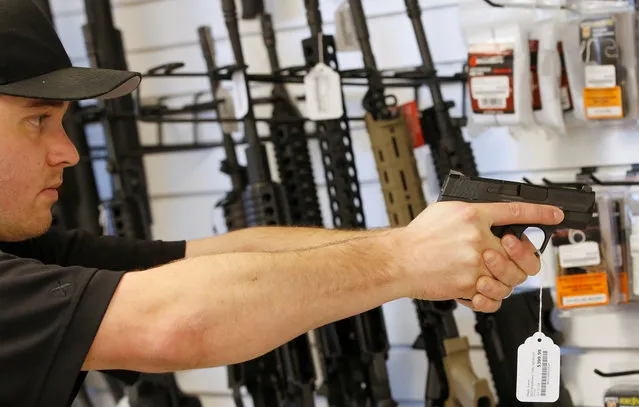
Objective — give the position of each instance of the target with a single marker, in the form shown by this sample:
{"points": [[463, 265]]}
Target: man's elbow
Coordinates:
{"points": [[175, 345], [144, 334]]}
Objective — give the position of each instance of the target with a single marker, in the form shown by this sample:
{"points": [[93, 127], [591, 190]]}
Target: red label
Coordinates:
{"points": [[490, 71], [534, 77], [411, 115], [564, 87]]}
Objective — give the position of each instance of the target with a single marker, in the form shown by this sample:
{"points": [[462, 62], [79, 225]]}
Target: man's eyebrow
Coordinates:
{"points": [[36, 103]]}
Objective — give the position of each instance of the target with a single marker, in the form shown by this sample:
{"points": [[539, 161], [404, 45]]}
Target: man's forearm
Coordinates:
{"points": [[232, 307], [273, 238]]}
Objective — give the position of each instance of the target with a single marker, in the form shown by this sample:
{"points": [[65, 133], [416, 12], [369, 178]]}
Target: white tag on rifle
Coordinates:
{"points": [[226, 109], [345, 35], [538, 368], [323, 89], [240, 96]]}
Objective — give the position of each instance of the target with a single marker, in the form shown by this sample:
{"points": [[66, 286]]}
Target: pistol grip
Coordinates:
{"points": [[464, 387], [518, 231]]}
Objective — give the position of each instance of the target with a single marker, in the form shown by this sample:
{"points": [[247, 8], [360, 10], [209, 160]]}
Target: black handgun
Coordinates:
{"points": [[577, 204]]}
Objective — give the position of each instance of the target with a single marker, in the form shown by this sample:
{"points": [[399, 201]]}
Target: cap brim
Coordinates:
{"points": [[75, 83]]}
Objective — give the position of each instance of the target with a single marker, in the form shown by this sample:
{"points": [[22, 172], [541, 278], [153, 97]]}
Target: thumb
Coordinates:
{"points": [[513, 213]]}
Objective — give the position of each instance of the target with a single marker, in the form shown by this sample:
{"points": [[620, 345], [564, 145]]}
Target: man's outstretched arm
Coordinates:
{"points": [[231, 307], [272, 239]]}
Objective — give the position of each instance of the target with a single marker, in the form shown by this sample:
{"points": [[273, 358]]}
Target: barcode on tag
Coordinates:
{"points": [[544, 373], [538, 369], [492, 103]]}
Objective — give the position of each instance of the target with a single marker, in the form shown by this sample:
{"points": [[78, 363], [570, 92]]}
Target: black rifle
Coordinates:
{"points": [[283, 376], [252, 8], [129, 213], [343, 347], [448, 148], [232, 204], [291, 144], [501, 340], [362, 339], [348, 346], [129, 210]]}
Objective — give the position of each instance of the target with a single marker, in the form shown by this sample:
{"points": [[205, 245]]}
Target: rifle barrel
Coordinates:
{"points": [[361, 30], [313, 17], [258, 168]]}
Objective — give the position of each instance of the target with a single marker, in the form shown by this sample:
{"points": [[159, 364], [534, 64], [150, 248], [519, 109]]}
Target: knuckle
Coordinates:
{"points": [[470, 213], [468, 286], [497, 266], [474, 259], [474, 236], [515, 208]]}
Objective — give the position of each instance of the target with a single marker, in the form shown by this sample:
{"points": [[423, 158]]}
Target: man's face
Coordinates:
{"points": [[34, 150]]}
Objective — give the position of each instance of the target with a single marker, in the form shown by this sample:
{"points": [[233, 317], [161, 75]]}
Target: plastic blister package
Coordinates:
{"points": [[548, 96], [632, 239], [595, 266], [600, 54], [498, 64], [582, 269]]}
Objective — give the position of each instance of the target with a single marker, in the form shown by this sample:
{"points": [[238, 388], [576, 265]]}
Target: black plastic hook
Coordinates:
{"points": [[616, 374]]}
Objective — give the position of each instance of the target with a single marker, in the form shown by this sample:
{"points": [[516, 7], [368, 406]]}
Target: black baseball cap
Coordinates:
{"points": [[35, 65]]}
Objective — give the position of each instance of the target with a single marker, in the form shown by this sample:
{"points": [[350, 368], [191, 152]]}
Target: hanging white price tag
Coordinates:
{"points": [[538, 364], [345, 34], [240, 96], [323, 93], [538, 368], [227, 110]]}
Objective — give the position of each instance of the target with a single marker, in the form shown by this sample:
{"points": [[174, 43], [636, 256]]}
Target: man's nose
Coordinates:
{"points": [[62, 151]]}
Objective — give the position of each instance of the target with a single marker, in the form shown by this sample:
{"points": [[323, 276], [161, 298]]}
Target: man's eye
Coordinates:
{"points": [[38, 121]]}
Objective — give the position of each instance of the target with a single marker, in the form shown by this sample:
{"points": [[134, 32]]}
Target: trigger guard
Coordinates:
{"points": [[518, 231]]}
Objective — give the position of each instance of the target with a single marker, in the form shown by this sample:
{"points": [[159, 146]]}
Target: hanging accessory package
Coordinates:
{"points": [[499, 74]]}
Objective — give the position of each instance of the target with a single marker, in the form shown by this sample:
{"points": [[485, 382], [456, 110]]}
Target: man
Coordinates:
{"points": [[70, 303]]}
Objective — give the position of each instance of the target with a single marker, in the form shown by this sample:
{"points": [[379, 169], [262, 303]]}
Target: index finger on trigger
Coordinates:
{"points": [[513, 213]]}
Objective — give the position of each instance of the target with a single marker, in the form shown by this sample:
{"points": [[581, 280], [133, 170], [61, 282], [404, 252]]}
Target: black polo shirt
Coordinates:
{"points": [[54, 291]]}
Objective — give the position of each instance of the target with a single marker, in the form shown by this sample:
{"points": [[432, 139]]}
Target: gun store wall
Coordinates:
{"points": [[577, 123]]}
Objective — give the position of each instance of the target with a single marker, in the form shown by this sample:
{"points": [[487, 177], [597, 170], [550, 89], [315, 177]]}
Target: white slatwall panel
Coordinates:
{"points": [[186, 186]]}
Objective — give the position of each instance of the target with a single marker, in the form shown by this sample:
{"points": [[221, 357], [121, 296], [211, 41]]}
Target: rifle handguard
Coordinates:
{"points": [[397, 168]]}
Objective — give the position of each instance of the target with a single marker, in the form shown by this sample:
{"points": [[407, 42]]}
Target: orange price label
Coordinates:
{"points": [[624, 288], [583, 290], [603, 103]]}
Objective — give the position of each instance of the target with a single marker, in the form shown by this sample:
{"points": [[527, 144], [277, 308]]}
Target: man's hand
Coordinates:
{"points": [[449, 251]]}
